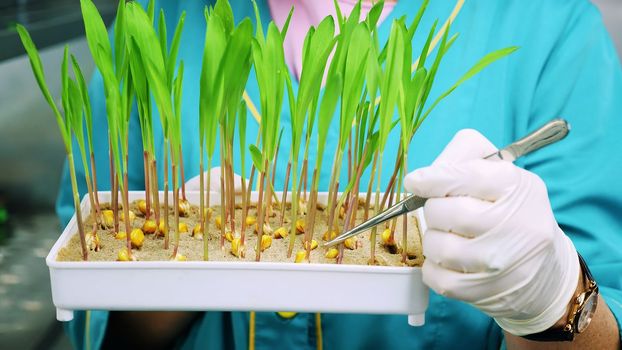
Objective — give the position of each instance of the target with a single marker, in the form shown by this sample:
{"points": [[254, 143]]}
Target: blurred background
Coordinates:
{"points": [[32, 154]]}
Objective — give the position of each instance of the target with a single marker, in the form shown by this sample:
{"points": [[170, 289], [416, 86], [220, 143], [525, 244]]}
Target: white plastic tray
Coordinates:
{"points": [[224, 286]]}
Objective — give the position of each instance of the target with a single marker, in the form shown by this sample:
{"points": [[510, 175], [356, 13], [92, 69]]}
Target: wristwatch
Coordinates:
{"points": [[581, 311]]}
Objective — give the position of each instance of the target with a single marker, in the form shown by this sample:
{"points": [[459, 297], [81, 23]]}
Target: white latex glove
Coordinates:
{"points": [[194, 184], [492, 240]]}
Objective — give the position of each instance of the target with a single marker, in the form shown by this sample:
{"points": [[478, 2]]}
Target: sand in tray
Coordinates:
{"points": [[192, 248]]}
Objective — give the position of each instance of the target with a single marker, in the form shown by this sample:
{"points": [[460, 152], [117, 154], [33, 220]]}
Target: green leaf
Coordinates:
{"points": [[374, 15], [426, 47], [97, 38], [258, 25], [74, 112], [171, 60], [354, 78], [119, 38], [392, 73], [142, 31], [223, 10], [429, 80], [478, 67], [37, 70], [64, 78], [286, 24], [163, 35], [151, 11], [84, 92], [242, 134], [327, 110], [257, 158], [412, 28]]}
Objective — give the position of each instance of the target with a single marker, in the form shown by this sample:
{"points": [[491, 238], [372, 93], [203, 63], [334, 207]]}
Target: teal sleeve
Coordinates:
{"points": [[87, 329], [582, 82]]}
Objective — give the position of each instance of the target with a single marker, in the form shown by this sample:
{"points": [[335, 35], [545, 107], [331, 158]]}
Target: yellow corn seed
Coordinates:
{"points": [[332, 253], [137, 237], [93, 242], [218, 222], [179, 257], [342, 212], [281, 232], [386, 236], [124, 255], [313, 244], [142, 206], [108, 218], [266, 242], [301, 256], [302, 207], [235, 246], [229, 236], [149, 227], [350, 243], [329, 235], [184, 207], [267, 230], [300, 226], [120, 235], [183, 227], [131, 215], [161, 227], [250, 220]]}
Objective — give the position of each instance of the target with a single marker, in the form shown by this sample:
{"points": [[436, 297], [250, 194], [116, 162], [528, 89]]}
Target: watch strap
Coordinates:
{"points": [[566, 333]]}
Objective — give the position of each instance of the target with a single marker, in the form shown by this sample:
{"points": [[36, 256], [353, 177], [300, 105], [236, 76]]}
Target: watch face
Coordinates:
{"points": [[587, 313]]}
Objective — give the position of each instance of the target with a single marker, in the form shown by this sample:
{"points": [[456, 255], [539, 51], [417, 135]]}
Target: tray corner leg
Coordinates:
{"points": [[64, 315], [416, 320]]}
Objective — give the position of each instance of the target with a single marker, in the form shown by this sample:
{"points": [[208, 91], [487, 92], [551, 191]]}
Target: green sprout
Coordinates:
{"points": [[272, 74], [72, 106]]}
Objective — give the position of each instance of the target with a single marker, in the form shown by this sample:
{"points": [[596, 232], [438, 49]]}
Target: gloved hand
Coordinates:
{"points": [[492, 240], [194, 184]]}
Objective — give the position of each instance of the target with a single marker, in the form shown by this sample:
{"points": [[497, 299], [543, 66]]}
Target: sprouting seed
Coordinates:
{"points": [[137, 237], [281, 232], [250, 220], [301, 256], [149, 226], [184, 208], [183, 227], [350, 243], [266, 242], [314, 244], [120, 235], [332, 253], [300, 226]]}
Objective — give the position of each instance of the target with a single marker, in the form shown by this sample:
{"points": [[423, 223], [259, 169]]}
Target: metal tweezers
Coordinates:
{"points": [[549, 133]]}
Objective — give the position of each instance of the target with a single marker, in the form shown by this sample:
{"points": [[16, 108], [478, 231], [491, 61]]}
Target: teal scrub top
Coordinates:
{"points": [[566, 67]]}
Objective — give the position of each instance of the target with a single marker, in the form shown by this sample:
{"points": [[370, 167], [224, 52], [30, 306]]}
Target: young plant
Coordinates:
{"points": [[271, 73], [226, 65], [210, 104], [321, 40], [159, 64], [351, 61], [88, 117], [114, 73], [71, 105], [75, 99]]}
